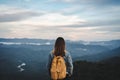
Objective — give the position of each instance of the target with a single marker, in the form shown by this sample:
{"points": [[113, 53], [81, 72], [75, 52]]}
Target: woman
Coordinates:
{"points": [[59, 50]]}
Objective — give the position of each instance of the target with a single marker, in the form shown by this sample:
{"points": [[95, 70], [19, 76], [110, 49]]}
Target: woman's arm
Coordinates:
{"points": [[49, 63], [70, 64]]}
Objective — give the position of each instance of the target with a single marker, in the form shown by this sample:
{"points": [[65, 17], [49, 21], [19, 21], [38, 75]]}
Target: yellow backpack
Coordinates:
{"points": [[58, 68]]}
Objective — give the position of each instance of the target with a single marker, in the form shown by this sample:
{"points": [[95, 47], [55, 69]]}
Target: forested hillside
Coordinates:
{"points": [[97, 71]]}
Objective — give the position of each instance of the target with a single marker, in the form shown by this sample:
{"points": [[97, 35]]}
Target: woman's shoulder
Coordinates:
{"points": [[51, 53], [67, 53]]}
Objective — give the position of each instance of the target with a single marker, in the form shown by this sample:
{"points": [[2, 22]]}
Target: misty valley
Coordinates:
{"points": [[26, 59]]}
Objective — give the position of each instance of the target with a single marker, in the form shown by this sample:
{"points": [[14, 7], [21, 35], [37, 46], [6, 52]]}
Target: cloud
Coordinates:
{"points": [[95, 23], [74, 20], [11, 14], [91, 2], [52, 19], [110, 29], [52, 25], [49, 23]]}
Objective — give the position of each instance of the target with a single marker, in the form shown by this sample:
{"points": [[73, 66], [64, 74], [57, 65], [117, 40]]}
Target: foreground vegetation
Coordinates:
{"points": [[96, 71]]}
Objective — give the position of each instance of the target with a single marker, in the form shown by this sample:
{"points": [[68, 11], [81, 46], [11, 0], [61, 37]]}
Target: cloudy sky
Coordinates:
{"points": [[87, 20]]}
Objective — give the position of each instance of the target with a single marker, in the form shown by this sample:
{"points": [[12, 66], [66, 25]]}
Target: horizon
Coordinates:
{"points": [[65, 39], [75, 20]]}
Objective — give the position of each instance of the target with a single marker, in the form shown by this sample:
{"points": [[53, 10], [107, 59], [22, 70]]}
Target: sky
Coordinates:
{"points": [[88, 20]]}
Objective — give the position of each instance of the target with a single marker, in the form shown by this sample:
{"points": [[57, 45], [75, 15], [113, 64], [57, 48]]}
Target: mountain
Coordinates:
{"points": [[24, 40], [26, 59], [76, 48], [112, 44], [101, 56]]}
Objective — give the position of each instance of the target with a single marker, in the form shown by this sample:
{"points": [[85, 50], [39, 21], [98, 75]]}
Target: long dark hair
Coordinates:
{"points": [[59, 47]]}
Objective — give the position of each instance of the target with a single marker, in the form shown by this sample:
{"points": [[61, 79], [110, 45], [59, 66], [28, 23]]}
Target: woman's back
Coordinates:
{"points": [[59, 50], [68, 61]]}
